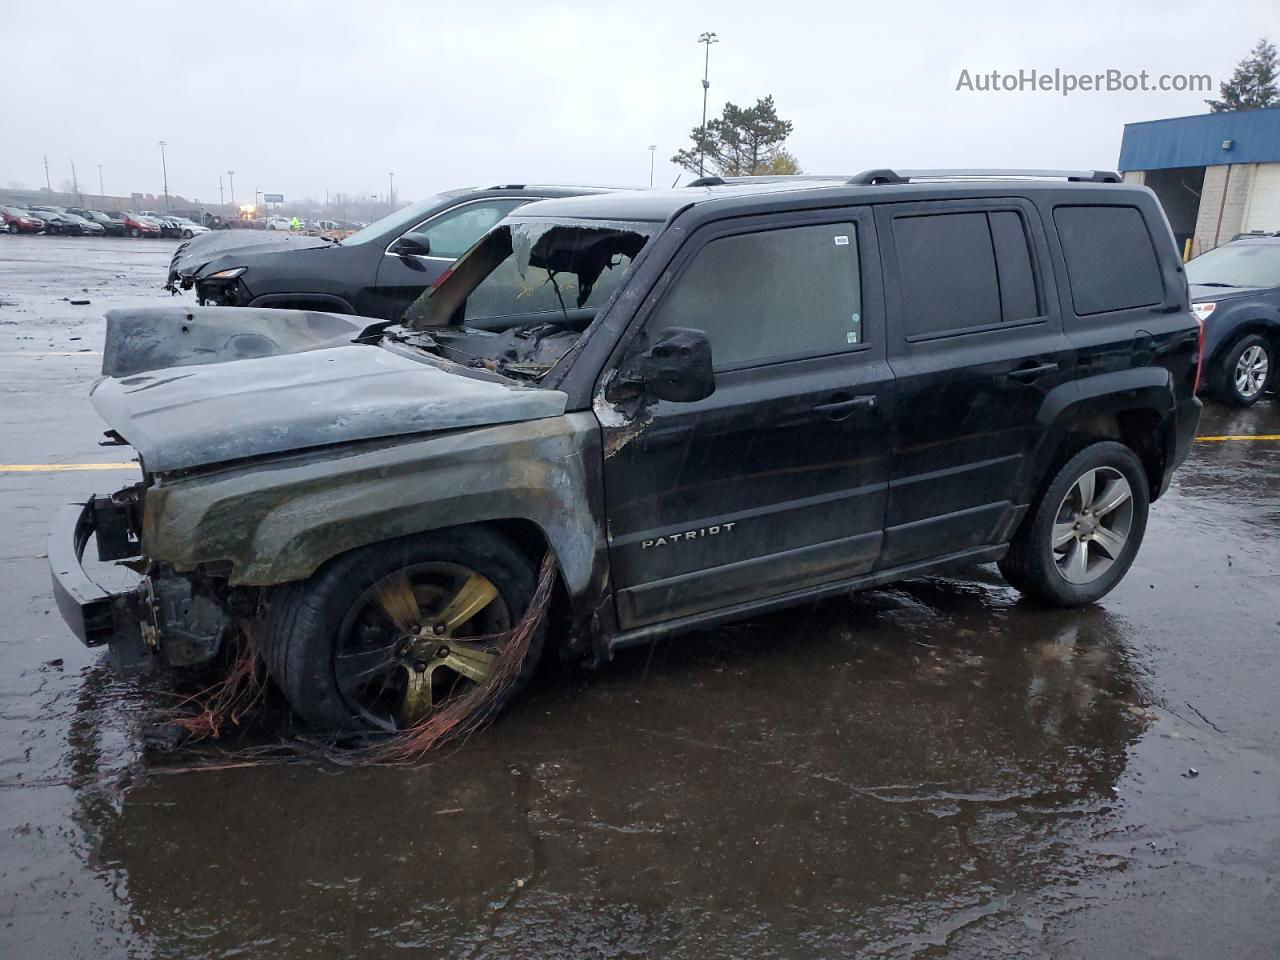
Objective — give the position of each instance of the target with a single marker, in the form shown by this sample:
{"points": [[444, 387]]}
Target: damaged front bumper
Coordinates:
{"points": [[161, 615], [95, 615]]}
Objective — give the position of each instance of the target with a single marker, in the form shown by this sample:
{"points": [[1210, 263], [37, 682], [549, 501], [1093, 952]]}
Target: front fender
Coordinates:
{"points": [[278, 520]]}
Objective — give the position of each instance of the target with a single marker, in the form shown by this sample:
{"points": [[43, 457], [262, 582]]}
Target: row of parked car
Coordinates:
{"points": [[83, 222]]}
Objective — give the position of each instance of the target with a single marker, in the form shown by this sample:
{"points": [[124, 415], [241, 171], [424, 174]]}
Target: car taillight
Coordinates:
{"points": [[1199, 354]]}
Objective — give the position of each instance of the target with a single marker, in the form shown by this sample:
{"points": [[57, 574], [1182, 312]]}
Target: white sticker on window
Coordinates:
{"points": [[852, 336], [842, 241]]}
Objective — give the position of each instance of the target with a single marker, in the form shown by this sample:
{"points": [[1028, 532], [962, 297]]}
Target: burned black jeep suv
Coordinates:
{"points": [[700, 404]]}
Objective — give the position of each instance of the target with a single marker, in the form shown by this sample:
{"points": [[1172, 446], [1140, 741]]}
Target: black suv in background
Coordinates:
{"points": [[691, 406], [375, 272], [1235, 289], [113, 228]]}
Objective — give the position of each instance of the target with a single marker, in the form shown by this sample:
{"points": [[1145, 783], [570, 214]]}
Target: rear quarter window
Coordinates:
{"points": [[1111, 260]]}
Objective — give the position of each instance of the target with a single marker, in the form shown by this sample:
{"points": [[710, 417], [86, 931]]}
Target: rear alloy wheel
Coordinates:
{"points": [[1092, 526], [1083, 532], [387, 635], [1246, 371]]}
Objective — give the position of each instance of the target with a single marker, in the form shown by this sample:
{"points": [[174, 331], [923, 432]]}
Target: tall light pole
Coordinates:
{"points": [[653, 148], [75, 184], [708, 39], [164, 167], [102, 191], [391, 191], [46, 173], [231, 176], [222, 200]]}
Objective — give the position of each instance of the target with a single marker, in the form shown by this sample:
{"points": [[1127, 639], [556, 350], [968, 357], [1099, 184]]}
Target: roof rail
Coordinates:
{"points": [[716, 181], [886, 176]]}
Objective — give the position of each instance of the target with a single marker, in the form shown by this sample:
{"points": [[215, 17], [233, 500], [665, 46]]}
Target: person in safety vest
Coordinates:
{"points": [[295, 224]]}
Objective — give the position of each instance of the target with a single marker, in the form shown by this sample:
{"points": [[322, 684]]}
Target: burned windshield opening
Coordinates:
{"points": [[523, 295]]}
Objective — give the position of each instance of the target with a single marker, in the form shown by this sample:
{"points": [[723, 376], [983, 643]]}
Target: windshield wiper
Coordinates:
{"points": [[1216, 283]]}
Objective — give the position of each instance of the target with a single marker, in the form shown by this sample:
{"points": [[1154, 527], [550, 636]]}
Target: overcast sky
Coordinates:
{"points": [[304, 97]]}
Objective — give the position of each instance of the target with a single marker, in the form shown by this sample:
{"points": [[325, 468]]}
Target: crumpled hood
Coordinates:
{"points": [[224, 408]]}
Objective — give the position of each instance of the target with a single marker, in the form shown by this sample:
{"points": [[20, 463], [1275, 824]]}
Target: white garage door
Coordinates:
{"points": [[1263, 211]]}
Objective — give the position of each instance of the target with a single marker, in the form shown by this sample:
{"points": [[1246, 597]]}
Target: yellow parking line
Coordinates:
{"points": [[62, 467], [1244, 436]]}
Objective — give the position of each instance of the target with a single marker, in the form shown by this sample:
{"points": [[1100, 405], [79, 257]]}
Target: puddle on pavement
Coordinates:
{"points": [[853, 776]]}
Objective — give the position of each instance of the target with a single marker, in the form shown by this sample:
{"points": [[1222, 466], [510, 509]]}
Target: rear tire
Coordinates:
{"points": [[1246, 371], [309, 623], [135, 233], [1107, 523]]}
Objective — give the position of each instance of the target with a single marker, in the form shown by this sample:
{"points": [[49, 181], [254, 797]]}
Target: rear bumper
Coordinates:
{"points": [[1186, 422], [95, 615]]}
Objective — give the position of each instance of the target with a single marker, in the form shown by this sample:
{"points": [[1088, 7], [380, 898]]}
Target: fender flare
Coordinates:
{"points": [[1080, 401]]}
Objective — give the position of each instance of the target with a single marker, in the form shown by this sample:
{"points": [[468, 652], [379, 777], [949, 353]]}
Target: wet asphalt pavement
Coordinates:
{"points": [[937, 769]]}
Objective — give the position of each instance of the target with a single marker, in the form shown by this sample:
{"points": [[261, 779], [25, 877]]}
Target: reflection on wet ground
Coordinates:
{"points": [[936, 769], [866, 774]]}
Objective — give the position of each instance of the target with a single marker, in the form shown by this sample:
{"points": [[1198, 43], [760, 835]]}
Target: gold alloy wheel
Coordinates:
{"points": [[417, 638]]}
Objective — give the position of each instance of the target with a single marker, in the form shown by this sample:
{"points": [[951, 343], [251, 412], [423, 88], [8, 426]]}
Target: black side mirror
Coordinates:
{"points": [[412, 245], [677, 367]]}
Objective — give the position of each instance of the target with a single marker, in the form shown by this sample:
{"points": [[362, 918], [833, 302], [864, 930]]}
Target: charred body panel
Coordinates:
{"points": [[211, 535], [155, 338], [319, 394], [268, 526]]}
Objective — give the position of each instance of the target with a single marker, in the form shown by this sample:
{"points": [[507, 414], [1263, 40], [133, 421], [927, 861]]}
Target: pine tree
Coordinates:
{"points": [[1253, 85], [741, 142]]}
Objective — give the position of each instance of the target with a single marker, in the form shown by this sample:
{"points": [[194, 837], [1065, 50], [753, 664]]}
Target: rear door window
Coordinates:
{"points": [[1111, 261], [773, 295], [964, 271], [1019, 299]]}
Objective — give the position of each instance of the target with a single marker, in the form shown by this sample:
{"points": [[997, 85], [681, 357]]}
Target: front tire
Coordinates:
{"points": [[1246, 371], [135, 233], [382, 636], [187, 234], [1084, 529]]}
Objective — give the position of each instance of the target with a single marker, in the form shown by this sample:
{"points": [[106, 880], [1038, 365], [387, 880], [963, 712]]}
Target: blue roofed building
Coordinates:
{"points": [[1216, 174]]}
